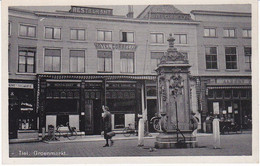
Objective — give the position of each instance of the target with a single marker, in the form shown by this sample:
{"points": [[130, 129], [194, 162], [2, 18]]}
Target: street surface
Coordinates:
{"points": [[231, 145]]}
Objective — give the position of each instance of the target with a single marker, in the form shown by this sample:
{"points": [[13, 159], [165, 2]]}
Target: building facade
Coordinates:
{"points": [[64, 65]]}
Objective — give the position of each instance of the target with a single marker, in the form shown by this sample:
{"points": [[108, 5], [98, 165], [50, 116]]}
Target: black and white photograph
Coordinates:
{"points": [[130, 81]]}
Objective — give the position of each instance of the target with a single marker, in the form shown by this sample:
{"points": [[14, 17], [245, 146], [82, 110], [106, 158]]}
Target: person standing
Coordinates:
{"points": [[107, 126]]}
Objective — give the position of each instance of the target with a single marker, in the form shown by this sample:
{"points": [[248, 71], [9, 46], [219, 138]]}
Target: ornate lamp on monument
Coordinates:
{"points": [[174, 100]]}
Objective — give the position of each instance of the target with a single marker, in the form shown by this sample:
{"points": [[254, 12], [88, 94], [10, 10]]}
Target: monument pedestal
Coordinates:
{"points": [[169, 140]]}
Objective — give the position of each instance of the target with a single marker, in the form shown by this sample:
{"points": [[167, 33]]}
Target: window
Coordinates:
{"points": [[209, 32], [231, 58], [52, 60], [127, 37], [26, 59], [211, 57], [246, 32], [77, 61], [104, 35], [155, 59], [77, 34], [52, 33], [104, 61], [119, 121], [157, 38], [180, 39], [27, 31], [248, 57], [127, 62], [229, 32]]}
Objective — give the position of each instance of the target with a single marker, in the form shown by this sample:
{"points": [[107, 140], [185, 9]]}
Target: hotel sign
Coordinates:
{"points": [[20, 85], [113, 46], [90, 10]]}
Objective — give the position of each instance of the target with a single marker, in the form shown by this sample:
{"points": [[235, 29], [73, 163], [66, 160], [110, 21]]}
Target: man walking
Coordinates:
{"points": [[107, 126]]}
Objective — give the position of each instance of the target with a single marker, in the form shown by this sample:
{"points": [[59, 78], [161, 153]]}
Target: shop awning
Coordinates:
{"points": [[229, 87], [96, 77]]}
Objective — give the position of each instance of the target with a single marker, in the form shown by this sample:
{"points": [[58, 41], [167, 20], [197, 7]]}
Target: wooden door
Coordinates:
{"points": [[89, 128]]}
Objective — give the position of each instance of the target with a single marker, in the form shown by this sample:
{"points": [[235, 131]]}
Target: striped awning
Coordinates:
{"points": [[229, 87], [96, 77]]}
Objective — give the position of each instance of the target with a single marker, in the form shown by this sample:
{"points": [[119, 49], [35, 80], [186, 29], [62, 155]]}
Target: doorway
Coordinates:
{"points": [[151, 110]]}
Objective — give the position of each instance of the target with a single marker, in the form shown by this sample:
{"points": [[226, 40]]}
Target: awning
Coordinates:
{"points": [[96, 77], [230, 87]]}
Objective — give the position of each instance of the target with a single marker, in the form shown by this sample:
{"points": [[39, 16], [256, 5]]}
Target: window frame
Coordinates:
{"points": [[121, 37], [127, 59], [84, 57], [156, 36], [230, 55], [53, 56], [111, 58], [104, 36], [179, 36], [157, 59], [53, 28], [229, 29], [250, 58], [247, 32], [27, 27], [33, 49], [77, 34], [209, 28], [211, 62]]}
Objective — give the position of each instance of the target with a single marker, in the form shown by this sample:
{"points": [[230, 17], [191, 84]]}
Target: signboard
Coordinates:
{"points": [[21, 85], [230, 81], [216, 107], [230, 109], [91, 10], [169, 16], [115, 46]]}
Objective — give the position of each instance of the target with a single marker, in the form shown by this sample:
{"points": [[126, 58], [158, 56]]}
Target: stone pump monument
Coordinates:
{"points": [[174, 100]]}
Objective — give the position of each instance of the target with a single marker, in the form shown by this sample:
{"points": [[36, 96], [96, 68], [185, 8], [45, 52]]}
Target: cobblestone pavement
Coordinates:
{"points": [[234, 144]]}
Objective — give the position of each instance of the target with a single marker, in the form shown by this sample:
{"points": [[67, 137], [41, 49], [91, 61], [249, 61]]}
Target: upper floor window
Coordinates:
{"points": [[231, 58], [52, 33], [248, 54], [246, 32], [77, 34], [26, 59], [157, 38], [180, 38], [27, 31], [127, 37], [209, 32], [211, 57], [77, 61], [104, 35], [229, 32], [127, 62], [155, 59], [104, 61], [52, 61]]}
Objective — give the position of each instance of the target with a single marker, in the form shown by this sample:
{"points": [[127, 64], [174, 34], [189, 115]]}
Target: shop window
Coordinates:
{"points": [[26, 59], [151, 91], [248, 54], [155, 59], [229, 32], [27, 31], [243, 93], [231, 58], [104, 61], [62, 106], [247, 33], [236, 93], [209, 32], [210, 94], [77, 34], [157, 38], [127, 62], [218, 94], [180, 38], [104, 35], [227, 93], [249, 93], [211, 57], [52, 33], [77, 61], [119, 121], [62, 120], [127, 37], [52, 60]]}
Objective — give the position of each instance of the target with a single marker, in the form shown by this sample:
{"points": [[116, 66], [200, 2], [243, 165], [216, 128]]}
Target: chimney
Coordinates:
{"points": [[130, 13]]}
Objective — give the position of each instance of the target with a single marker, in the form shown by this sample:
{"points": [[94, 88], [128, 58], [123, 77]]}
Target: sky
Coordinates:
{"points": [[122, 10]]}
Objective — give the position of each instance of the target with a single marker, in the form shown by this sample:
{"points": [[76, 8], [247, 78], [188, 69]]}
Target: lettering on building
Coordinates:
{"points": [[20, 85], [114, 46], [231, 81], [90, 10]]}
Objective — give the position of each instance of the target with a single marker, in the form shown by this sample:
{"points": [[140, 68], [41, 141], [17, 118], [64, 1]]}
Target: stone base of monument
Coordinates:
{"points": [[169, 140]]}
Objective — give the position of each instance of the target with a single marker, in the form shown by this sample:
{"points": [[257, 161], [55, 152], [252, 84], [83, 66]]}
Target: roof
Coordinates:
{"points": [[220, 13]]}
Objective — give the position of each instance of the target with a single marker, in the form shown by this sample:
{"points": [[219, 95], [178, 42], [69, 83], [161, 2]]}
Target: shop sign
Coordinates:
{"points": [[115, 46], [63, 84], [91, 10], [169, 16], [21, 85], [230, 81]]}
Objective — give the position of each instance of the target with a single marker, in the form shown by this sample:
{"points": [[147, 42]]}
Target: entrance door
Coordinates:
{"points": [[13, 118], [89, 117], [151, 110], [97, 115]]}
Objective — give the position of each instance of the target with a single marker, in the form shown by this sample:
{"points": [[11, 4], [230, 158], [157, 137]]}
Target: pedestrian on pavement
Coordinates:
{"points": [[107, 126]]}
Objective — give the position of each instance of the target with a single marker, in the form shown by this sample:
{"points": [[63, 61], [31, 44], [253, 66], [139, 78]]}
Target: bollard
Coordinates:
{"points": [[141, 132], [216, 134]]}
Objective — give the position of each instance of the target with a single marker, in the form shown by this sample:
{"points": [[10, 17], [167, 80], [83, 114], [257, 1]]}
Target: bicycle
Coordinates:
{"points": [[66, 132], [129, 130], [229, 127]]}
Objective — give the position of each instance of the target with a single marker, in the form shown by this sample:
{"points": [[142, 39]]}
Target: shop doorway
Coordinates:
{"points": [[151, 110], [13, 116]]}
